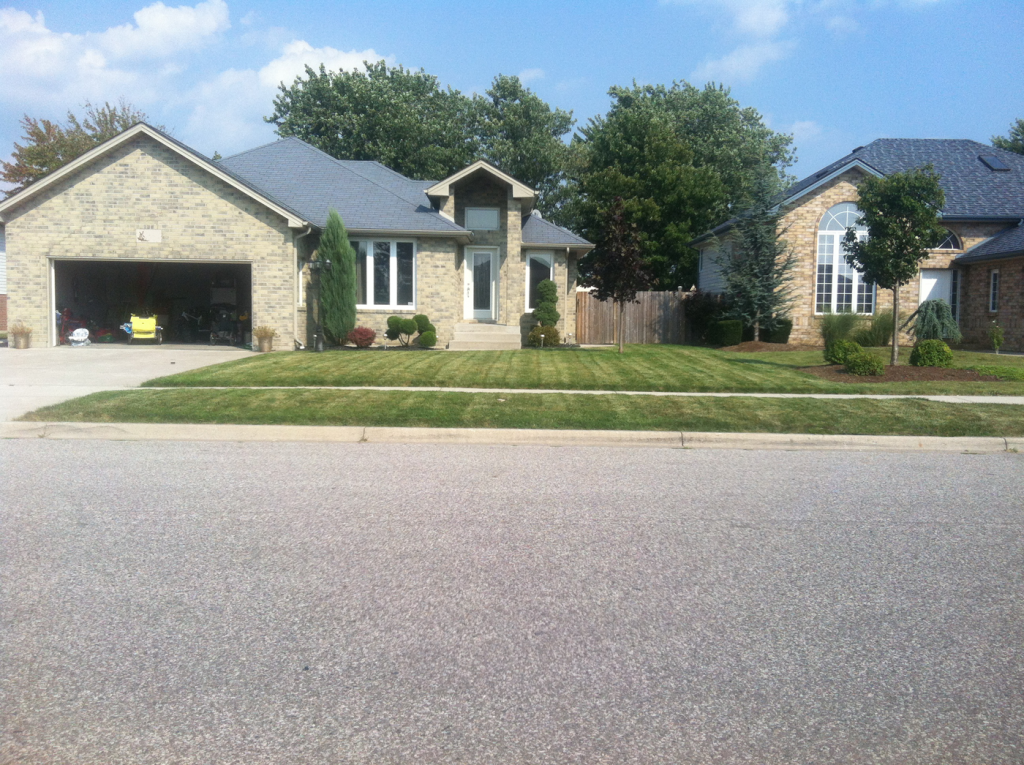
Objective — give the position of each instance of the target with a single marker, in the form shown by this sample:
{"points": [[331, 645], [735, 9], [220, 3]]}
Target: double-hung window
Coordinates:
{"points": [[539, 266], [385, 273], [839, 286]]}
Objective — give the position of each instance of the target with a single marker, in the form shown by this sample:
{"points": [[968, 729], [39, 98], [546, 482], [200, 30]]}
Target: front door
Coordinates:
{"points": [[481, 285]]}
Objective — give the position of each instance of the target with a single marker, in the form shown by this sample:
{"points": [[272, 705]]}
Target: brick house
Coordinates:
{"points": [[143, 219], [978, 269]]}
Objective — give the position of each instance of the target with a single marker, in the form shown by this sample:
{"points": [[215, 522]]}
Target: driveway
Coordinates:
{"points": [[42, 376]]}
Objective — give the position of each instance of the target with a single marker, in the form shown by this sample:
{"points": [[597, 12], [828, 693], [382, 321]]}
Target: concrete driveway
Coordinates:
{"points": [[41, 376]]}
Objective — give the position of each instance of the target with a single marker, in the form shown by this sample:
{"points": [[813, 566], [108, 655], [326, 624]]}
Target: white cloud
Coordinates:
{"points": [[744, 63], [805, 130], [298, 54], [527, 75], [160, 31], [757, 18]]}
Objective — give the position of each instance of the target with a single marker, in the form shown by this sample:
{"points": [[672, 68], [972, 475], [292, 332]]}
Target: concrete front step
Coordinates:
{"points": [[485, 337]]}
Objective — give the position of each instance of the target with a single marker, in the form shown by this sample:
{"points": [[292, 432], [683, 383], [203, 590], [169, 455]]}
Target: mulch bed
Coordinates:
{"points": [[901, 373], [752, 346]]}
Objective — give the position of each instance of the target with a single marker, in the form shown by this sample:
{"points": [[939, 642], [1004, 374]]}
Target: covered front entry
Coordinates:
{"points": [[481, 284], [207, 303]]}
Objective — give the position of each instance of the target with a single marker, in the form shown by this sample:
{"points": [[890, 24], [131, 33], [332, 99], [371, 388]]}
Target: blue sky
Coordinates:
{"points": [[836, 74]]}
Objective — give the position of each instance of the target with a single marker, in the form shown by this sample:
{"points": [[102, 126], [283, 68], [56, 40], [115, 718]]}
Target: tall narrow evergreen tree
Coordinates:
{"points": [[338, 285], [759, 275]]}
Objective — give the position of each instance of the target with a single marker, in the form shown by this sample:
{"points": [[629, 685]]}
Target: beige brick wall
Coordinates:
{"points": [[95, 213]]}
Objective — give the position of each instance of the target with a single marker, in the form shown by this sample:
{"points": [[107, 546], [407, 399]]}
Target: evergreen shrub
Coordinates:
{"points": [[931, 353], [864, 364], [781, 332], [427, 339], [840, 351], [549, 335], [725, 333], [547, 301]]}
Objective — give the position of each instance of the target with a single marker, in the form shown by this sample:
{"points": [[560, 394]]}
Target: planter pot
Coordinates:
{"points": [[266, 344], [21, 341]]}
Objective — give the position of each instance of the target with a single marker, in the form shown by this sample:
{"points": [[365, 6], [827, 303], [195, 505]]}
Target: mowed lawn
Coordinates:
{"points": [[545, 410], [640, 368]]}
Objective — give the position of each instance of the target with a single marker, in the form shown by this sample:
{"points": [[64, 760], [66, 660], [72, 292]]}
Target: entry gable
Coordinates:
{"points": [[295, 220], [443, 188]]}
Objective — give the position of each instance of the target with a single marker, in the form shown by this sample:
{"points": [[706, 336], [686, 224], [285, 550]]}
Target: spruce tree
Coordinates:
{"points": [[338, 285]]}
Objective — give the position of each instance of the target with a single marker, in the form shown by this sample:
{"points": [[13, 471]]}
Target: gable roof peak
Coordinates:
{"points": [[443, 188]]}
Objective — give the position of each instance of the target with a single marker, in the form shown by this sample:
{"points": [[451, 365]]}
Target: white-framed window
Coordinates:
{"points": [[954, 295], [993, 291], [483, 218], [385, 273], [951, 242], [539, 266], [839, 286]]}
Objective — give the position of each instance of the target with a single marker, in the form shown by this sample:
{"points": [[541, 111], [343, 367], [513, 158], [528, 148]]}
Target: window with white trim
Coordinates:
{"points": [[993, 291], [483, 219], [839, 286], [539, 266], [385, 273], [951, 242]]}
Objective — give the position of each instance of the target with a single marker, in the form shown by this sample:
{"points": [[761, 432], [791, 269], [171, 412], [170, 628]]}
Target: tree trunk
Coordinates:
{"points": [[895, 358], [622, 309], [757, 330]]}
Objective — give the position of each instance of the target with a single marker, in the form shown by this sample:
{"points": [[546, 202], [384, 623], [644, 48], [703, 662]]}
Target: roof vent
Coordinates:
{"points": [[992, 162]]}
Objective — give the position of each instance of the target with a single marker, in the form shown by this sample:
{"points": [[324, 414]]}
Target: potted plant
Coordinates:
{"points": [[265, 338], [21, 333]]}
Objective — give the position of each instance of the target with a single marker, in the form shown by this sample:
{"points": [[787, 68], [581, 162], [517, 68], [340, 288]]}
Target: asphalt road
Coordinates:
{"points": [[354, 603]]}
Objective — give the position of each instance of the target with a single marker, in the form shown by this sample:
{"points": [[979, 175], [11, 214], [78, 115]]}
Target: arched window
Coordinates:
{"points": [[951, 242], [839, 287]]}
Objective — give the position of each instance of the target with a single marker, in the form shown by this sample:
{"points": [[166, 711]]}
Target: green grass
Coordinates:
{"points": [[642, 368], [549, 410]]}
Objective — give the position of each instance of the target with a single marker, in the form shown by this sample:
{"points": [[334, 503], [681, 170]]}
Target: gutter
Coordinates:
{"points": [[295, 313]]}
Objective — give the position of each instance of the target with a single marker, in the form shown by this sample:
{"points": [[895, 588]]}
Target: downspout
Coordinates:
{"points": [[295, 312]]}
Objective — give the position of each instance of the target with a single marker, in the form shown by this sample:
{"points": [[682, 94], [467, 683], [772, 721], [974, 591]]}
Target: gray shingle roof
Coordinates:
{"points": [[536, 230], [367, 195], [972, 189], [1008, 244]]}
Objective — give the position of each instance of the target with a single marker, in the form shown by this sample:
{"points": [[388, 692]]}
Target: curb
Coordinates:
{"points": [[504, 437]]}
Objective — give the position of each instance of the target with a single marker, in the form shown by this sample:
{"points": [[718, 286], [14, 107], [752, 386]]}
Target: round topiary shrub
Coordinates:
{"points": [[543, 337], [865, 364], [931, 353], [841, 351], [427, 339], [422, 322], [725, 333], [408, 327], [362, 337]]}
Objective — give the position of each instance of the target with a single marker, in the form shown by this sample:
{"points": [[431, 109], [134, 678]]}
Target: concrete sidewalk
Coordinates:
{"points": [[1016, 400], [503, 437]]}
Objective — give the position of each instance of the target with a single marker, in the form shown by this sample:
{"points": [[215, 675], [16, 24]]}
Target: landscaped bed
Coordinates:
{"points": [[901, 373]]}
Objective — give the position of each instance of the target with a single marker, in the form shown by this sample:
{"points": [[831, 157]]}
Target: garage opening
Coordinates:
{"points": [[193, 303]]}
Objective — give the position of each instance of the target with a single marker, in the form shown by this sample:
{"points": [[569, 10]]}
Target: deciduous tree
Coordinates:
{"points": [[618, 269], [901, 212]]}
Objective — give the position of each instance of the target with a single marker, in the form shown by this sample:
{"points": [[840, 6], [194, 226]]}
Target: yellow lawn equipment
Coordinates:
{"points": [[144, 328]]}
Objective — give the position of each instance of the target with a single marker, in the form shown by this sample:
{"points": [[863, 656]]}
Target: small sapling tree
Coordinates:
{"points": [[617, 268], [901, 212]]}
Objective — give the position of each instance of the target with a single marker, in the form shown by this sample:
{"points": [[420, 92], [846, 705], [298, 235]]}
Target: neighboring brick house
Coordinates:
{"points": [[144, 219], [978, 269]]}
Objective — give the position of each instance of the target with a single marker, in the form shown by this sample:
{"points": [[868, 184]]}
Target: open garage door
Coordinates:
{"points": [[207, 303]]}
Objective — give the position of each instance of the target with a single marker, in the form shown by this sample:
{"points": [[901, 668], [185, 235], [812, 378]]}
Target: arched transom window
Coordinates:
{"points": [[839, 287], [951, 242]]}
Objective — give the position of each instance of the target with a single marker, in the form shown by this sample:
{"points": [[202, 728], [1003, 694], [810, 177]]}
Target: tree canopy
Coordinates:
{"points": [[901, 213], [682, 158], [1013, 140], [50, 145]]}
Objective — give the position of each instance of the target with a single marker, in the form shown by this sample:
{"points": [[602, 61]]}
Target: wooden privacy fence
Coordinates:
{"points": [[657, 318]]}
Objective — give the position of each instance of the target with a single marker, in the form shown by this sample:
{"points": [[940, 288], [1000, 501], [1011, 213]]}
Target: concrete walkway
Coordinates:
{"points": [[1017, 400], [38, 377]]}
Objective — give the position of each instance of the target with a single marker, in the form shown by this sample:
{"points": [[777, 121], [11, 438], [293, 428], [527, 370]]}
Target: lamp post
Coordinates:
{"points": [[317, 268]]}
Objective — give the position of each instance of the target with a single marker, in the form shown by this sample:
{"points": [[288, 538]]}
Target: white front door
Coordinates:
{"points": [[481, 285]]}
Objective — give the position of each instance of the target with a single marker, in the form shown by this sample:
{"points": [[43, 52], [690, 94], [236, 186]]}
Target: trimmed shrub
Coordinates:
{"points": [[727, 332], [864, 364], [422, 323], [427, 339], [393, 322], [702, 309], [931, 353], [781, 332], [400, 329], [549, 336], [841, 351], [547, 301], [362, 337], [837, 326]]}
